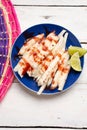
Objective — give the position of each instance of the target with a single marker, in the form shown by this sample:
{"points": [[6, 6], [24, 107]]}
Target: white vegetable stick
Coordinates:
{"points": [[55, 51], [47, 81], [41, 89], [61, 47], [29, 58], [38, 73], [61, 33], [45, 76], [57, 77], [30, 43], [55, 38], [52, 35], [55, 80], [65, 40], [63, 78], [58, 47], [19, 68], [51, 40], [51, 77]]}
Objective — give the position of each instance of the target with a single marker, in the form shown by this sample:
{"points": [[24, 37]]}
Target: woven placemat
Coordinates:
{"points": [[9, 30]]}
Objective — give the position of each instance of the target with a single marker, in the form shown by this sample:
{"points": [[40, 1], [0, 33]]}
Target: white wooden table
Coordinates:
{"points": [[22, 109]]}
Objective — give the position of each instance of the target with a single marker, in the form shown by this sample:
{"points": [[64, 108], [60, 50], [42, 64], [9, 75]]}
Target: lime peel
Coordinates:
{"points": [[75, 62], [74, 49]]}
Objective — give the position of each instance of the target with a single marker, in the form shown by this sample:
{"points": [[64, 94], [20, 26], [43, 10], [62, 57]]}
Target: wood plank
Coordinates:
{"points": [[67, 110], [24, 108], [67, 17], [34, 128], [50, 2]]}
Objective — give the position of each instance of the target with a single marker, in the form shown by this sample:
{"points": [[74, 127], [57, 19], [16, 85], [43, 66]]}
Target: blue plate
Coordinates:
{"points": [[27, 81]]}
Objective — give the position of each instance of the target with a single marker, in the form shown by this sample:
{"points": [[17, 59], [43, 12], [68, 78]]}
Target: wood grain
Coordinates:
{"points": [[50, 2], [30, 128], [67, 17], [22, 109]]}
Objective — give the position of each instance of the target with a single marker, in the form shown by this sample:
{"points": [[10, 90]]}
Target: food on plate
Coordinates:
{"points": [[46, 60], [30, 42], [49, 75], [74, 49], [61, 73], [75, 62]]}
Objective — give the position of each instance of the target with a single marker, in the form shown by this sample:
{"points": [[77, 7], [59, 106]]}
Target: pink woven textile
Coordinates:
{"points": [[9, 30]]}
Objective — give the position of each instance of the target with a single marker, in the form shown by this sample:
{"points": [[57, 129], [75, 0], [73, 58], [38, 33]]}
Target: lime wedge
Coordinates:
{"points": [[74, 49], [75, 62]]}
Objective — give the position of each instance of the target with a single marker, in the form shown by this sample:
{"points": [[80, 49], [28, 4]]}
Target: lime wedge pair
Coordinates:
{"points": [[76, 53]]}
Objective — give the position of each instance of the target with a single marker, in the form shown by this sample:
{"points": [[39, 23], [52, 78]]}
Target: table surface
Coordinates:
{"points": [[23, 109]]}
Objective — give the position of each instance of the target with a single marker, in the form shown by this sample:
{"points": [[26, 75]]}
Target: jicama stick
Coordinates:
{"points": [[49, 43], [33, 57], [52, 76], [43, 80], [64, 58], [61, 33], [46, 62], [42, 67], [62, 65], [63, 78], [32, 44], [58, 51], [41, 89], [47, 79], [61, 47], [28, 44], [41, 60]]}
